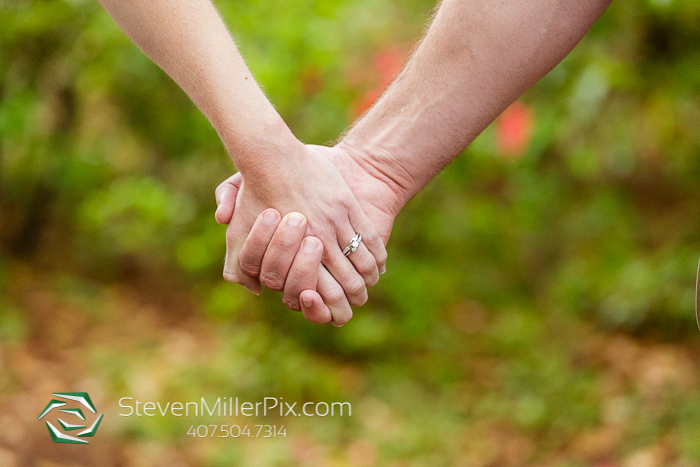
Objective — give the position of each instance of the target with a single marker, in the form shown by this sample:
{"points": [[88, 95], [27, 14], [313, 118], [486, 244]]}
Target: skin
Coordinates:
{"points": [[377, 200], [476, 58], [188, 40]]}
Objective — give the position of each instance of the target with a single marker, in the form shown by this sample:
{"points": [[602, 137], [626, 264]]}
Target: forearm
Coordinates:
{"points": [[190, 42], [477, 57]]}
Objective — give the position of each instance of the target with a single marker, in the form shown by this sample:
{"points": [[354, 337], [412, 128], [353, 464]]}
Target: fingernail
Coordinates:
{"points": [[382, 270], [307, 302], [309, 245], [269, 216], [255, 292], [295, 219]]}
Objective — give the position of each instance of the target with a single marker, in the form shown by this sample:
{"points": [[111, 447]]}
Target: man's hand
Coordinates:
{"points": [[305, 181], [266, 252]]}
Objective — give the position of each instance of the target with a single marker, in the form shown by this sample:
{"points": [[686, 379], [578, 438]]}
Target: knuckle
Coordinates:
{"points": [[251, 268], [357, 300], [333, 296], [356, 292], [291, 303], [372, 280], [333, 221], [366, 266], [284, 243], [272, 281], [346, 201], [232, 277], [372, 236], [381, 257], [355, 286], [307, 266], [342, 319]]}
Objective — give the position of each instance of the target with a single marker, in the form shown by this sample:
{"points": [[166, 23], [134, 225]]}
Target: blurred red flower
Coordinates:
{"points": [[387, 64], [514, 130]]}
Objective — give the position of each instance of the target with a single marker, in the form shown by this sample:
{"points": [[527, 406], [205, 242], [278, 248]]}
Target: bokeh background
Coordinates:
{"points": [[538, 304]]}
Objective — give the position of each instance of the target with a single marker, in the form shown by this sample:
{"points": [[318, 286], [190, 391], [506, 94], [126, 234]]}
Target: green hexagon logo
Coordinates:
{"points": [[77, 418]]}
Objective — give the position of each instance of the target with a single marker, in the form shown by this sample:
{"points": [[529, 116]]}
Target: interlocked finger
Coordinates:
{"points": [[281, 251]]}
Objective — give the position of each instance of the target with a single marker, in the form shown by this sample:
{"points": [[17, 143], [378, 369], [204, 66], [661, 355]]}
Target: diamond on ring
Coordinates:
{"points": [[354, 245]]}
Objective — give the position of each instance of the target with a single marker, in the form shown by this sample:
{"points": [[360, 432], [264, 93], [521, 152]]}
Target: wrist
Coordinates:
{"points": [[386, 162], [381, 165], [259, 146]]}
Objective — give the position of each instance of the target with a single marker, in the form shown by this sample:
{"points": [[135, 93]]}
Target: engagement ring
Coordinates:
{"points": [[354, 245]]}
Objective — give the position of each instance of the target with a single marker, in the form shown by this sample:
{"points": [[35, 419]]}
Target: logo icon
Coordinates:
{"points": [[59, 436]]}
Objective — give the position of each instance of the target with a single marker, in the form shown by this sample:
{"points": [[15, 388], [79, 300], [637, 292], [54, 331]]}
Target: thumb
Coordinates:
{"points": [[235, 238], [226, 194]]}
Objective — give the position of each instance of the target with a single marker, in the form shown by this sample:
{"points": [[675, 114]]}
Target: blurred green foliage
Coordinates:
{"points": [[501, 273]]}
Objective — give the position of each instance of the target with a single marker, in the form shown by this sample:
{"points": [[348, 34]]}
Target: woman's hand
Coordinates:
{"points": [[304, 180], [378, 199]]}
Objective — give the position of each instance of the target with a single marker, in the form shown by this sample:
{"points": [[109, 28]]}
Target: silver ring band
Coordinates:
{"points": [[354, 245]]}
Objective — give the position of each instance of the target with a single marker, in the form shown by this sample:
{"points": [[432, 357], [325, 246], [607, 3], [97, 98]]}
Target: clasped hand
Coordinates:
{"points": [[289, 223]]}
